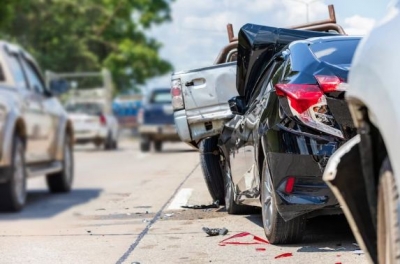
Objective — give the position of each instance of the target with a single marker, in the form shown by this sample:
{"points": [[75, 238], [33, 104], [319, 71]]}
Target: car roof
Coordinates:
{"points": [[311, 41]]}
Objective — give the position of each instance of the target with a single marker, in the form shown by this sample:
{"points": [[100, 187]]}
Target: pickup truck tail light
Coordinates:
{"points": [[140, 116], [176, 94], [308, 102]]}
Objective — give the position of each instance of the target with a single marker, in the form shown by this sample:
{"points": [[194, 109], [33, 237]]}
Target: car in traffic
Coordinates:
{"points": [[364, 173], [156, 120], [94, 122], [276, 122], [36, 134]]}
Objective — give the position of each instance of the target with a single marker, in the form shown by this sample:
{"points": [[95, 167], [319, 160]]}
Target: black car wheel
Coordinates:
{"points": [[13, 192], [388, 215], [109, 143], [62, 181], [277, 230], [231, 206], [210, 160], [144, 144], [158, 145]]}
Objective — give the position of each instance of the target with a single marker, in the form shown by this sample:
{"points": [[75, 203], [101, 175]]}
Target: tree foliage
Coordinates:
{"points": [[86, 35]]}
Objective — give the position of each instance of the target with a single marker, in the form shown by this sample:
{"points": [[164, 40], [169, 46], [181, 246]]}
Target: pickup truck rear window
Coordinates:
{"points": [[335, 52], [161, 97]]}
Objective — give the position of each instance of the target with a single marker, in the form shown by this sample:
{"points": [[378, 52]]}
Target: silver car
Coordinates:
{"points": [[36, 135], [365, 172]]}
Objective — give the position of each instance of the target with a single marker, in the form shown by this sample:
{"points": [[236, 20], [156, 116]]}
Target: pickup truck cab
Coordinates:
{"points": [[36, 133], [156, 120]]}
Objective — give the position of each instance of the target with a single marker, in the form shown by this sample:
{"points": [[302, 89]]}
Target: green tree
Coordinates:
{"points": [[86, 35]]}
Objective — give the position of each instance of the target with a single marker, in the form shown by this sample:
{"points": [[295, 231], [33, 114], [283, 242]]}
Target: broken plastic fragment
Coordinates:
{"points": [[215, 204], [233, 240], [261, 249], [284, 255], [215, 231]]}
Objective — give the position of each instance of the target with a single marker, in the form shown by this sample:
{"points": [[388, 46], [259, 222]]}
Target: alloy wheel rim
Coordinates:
{"points": [[19, 177], [267, 202], [67, 164]]}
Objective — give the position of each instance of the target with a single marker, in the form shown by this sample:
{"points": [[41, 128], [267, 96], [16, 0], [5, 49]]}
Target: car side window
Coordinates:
{"points": [[35, 81], [16, 70]]}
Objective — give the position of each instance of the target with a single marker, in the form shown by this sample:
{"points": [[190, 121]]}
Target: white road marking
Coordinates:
{"points": [[181, 198]]}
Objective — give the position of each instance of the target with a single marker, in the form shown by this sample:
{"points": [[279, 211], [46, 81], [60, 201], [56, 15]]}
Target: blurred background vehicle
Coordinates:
{"points": [[90, 109], [365, 172], [156, 120], [126, 108], [36, 133]]}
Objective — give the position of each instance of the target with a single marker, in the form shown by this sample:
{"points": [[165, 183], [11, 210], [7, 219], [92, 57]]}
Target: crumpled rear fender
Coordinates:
{"points": [[344, 176]]}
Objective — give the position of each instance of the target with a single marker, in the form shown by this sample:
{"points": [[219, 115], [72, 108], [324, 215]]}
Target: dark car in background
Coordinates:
{"points": [[156, 120]]}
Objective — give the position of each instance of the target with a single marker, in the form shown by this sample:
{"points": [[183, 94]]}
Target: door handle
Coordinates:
{"points": [[187, 84]]}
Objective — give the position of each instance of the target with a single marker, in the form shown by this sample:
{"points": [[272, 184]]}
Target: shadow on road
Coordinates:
{"points": [[323, 234], [42, 204]]}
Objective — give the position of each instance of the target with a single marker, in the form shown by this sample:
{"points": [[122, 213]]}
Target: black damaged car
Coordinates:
{"points": [[289, 118]]}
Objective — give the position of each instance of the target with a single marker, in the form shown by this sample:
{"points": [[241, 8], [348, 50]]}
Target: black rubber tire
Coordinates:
{"points": [[61, 182], [115, 144], [230, 205], [108, 143], [8, 191], [144, 144], [278, 231], [212, 172], [388, 225], [158, 145]]}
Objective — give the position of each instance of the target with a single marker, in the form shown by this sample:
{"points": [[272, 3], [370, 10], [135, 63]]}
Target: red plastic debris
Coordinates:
{"points": [[261, 249], [254, 241], [284, 255], [338, 263]]}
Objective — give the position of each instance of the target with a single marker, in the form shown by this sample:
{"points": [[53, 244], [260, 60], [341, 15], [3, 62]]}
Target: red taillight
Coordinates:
{"points": [[289, 184], [303, 95], [103, 120], [328, 83], [176, 94]]}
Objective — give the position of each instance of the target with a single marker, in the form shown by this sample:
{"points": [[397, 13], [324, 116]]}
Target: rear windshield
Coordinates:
{"points": [[335, 52], [161, 97], [85, 108]]}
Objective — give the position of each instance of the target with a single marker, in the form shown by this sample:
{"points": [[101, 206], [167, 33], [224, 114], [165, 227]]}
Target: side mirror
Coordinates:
{"points": [[59, 86], [237, 105]]}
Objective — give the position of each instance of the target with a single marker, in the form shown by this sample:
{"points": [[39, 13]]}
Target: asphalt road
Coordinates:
{"points": [[122, 211]]}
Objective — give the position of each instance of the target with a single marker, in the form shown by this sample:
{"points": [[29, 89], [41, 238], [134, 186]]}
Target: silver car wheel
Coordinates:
{"points": [[19, 176], [67, 164], [267, 212]]}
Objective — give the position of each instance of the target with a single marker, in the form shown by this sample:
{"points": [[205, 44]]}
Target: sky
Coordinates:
{"points": [[197, 31]]}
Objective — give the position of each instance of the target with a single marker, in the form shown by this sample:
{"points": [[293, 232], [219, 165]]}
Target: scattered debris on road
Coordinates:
{"points": [[284, 255], [215, 204], [215, 231], [261, 249], [238, 240]]}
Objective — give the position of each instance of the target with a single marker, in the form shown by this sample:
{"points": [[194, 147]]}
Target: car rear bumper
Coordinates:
{"points": [[83, 136], [310, 193], [159, 132]]}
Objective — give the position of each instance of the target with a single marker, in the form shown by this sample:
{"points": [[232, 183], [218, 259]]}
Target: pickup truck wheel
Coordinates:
{"points": [[231, 206], [62, 181], [158, 145], [13, 192], [277, 230], [144, 144], [388, 215], [210, 165]]}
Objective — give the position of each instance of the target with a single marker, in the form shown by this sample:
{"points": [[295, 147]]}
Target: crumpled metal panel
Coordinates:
{"points": [[257, 46]]}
